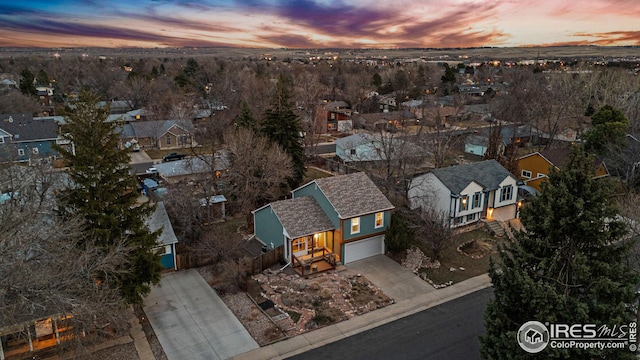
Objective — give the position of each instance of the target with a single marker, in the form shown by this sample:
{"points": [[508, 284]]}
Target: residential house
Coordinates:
{"points": [[24, 137], [336, 219], [389, 121], [334, 116], [508, 135], [45, 94], [192, 169], [467, 193], [162, 134], [167, 239], [534, 168], [363, 147]]}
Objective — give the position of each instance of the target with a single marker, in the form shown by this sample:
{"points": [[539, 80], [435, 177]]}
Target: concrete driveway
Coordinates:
{"points": [[393, 279], [192, 322], [139, 157]]}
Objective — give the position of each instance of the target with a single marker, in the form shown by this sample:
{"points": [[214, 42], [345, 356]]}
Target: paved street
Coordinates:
{"points": [[448, 331]]}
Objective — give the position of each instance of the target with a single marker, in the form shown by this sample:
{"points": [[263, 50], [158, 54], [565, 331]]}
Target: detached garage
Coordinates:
{"points": [[361, 249]]}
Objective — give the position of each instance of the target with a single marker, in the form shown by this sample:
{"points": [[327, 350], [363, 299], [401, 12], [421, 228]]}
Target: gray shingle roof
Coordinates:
{"points": [[160, 219], [353, 141], [488, 173], [301, 216], [23, 127], [353, 195]]}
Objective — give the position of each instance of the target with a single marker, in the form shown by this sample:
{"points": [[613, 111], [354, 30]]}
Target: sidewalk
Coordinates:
{"points": [[358, 324]]}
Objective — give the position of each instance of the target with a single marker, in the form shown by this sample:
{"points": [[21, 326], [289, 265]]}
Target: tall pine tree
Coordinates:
{"points": [[103, 192], [569, 267], [282, 126]]}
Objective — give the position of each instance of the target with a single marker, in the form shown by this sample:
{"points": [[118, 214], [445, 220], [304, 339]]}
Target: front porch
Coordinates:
{"points": [[314, 262]]}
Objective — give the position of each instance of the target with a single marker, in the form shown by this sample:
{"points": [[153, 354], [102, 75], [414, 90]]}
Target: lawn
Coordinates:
{"points": [[451, 258], [312, 173]]}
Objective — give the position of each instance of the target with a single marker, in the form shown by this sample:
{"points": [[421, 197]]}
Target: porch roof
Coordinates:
{"points": [[301, 216]]}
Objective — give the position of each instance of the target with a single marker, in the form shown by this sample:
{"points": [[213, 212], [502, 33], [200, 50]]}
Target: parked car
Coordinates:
{"points": [[173, 157]]}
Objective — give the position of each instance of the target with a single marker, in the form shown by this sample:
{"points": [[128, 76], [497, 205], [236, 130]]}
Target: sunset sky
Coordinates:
{"points": [[318, 23]]}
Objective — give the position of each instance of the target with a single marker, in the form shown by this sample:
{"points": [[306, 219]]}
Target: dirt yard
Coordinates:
{"points": [[285, 304]]}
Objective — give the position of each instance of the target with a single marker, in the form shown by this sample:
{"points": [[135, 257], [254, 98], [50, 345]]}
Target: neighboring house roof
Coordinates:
{"points": [[488, 173], [301, 216], [353, 141], [559, 157], [480, 140], [23, 127], [511, 131], [152, 129], [353, 195], [374, 118], [194, 165], [160, 220], [215, 199]]}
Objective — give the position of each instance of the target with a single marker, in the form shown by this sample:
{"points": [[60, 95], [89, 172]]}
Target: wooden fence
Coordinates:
{"points": [[268, 259], [190, 261]]}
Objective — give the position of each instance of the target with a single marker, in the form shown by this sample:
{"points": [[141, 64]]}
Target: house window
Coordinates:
{"points": [[526, 173], [331, 126], [1, 140], [34, 151], [352, 151], [298, 245], [379, 220], [20, 152], [476, 200], [333, 116], [506, 193], [164, 250], [168, 140], [464, 203], [471, 217], [458, 220], [355, 225]]}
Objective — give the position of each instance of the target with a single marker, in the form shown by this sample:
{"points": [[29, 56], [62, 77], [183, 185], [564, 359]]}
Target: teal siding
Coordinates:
{"points": [[312, 190], [167, 260], [367, 226], [267, 227]]}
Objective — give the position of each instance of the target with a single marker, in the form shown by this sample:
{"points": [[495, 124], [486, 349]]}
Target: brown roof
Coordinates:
{"points": [[301, 216], [353, 195], [557, 156]]}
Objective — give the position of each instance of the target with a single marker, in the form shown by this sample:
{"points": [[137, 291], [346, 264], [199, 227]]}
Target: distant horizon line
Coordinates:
{"points": [[322, 48]]}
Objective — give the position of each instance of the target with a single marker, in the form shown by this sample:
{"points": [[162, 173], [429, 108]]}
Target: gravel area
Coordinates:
{"points": [[259, 325], [118, 352], [294, 305], [154, 343]]}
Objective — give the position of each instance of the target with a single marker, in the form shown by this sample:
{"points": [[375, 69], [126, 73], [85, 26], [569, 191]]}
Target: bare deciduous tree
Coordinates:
{"points": [[258, 170], [44, 272], [432, 228]]}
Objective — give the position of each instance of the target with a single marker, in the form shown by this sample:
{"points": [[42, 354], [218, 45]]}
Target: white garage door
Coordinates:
{"points": [[363, 248]]}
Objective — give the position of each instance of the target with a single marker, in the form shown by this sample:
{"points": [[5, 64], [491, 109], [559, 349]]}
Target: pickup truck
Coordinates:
{"points": [[173, 157]]}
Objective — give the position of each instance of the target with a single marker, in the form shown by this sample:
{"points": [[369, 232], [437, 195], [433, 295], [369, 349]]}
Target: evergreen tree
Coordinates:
{"points": [[609, 130], [399, 236], [103, 193], [569, 267], [27, 86], [282, 126], [43, 78], [245, 118]]}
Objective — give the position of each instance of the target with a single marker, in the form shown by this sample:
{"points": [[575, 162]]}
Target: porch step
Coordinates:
{"points": [[494, 228]]}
